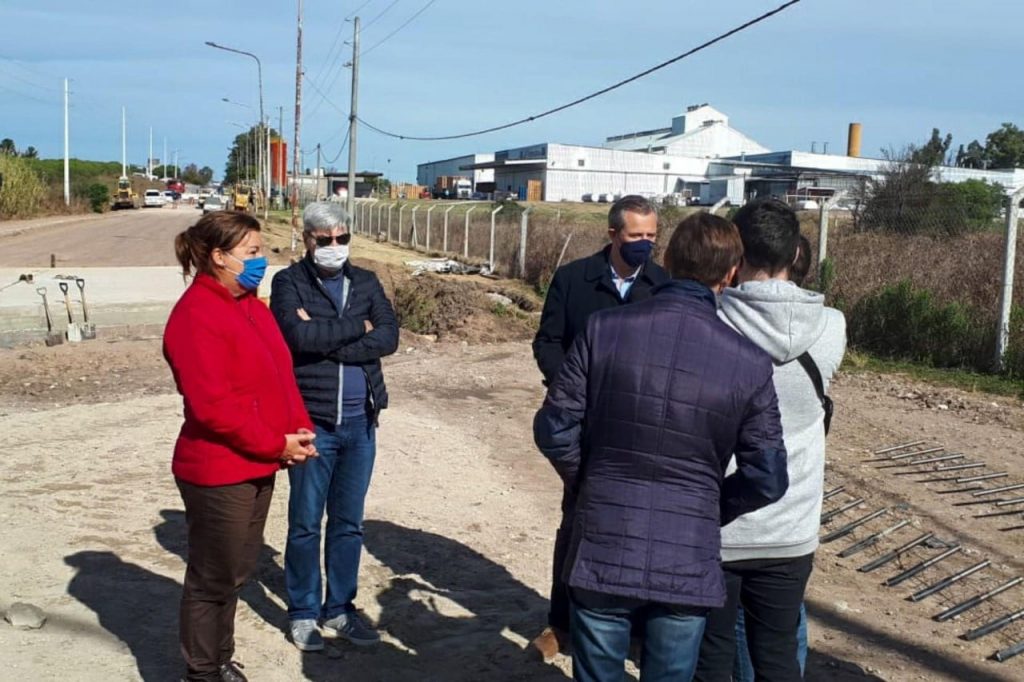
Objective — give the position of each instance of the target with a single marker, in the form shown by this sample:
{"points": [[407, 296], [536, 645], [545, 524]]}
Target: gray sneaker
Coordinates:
{"points": [[352, 627], [305, 635]]}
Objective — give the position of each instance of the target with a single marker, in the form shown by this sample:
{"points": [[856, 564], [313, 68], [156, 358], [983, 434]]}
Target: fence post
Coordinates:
{"points": [[1006, 295], [427, 247], [465, 241], [412, 234], [401, 209], [389, 220], [823, 219], [523, 226], [490, 259], [448, 210]]}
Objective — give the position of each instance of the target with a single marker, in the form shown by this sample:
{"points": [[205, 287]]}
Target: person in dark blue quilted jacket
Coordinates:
{"points": [[652, 401]]}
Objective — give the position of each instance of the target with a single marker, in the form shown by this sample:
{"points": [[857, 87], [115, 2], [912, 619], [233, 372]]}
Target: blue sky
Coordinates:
{"points": [[900, 67]]}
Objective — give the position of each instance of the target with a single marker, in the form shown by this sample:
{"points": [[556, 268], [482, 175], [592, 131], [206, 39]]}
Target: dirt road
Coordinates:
{"points": [[461, 517], [140, 237]]}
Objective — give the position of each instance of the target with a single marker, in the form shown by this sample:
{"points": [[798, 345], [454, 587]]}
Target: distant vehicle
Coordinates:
{"points": [[452, 187], [153, 199], [170, 196], [213, 203], [807, 205], [176, 185], [124, 197]]}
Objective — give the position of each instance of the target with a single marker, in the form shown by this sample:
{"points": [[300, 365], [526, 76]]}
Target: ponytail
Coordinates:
{"points": [[222, 230]]}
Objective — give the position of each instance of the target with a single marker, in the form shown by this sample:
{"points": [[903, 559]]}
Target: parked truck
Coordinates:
{"points": [[452, 187]]}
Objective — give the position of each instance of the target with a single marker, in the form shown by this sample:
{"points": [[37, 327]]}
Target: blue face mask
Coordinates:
{"points": [[636, 253], [252, 272]]}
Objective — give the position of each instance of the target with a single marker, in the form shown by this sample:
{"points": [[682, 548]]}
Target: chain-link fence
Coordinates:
{"points": [[920, 274]]}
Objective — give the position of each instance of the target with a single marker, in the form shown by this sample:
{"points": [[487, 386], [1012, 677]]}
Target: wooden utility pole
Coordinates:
{"points": [[296, 156]]}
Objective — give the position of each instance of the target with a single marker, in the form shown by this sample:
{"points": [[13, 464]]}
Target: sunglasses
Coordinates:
{"points": [[342, 239]]}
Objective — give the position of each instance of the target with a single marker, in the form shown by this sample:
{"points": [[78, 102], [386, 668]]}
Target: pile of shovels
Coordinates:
{"points": [[76, 331]]}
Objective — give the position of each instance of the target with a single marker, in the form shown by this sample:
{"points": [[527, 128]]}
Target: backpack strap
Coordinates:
{"points": [[807, 362]]}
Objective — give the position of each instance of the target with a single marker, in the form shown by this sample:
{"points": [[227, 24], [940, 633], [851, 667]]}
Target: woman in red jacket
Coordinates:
{"points": [[244, 419]]}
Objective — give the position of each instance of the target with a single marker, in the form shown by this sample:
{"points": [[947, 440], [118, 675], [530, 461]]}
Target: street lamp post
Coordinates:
{"points": [[264, 168]]}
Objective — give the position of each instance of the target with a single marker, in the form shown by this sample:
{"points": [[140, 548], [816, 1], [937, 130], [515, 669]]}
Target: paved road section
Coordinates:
{"points": [[120, 238], [118, 298]]}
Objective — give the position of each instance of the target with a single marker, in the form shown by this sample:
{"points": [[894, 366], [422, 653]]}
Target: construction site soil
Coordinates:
{"points": [[461, 514]]}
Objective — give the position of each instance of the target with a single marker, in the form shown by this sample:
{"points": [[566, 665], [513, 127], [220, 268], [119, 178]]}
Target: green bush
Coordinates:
{"points": [[23, 191], [902, 322], [98, 196]]}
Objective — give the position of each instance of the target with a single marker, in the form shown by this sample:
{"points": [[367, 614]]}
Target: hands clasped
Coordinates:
{"points": [[298, 447]]}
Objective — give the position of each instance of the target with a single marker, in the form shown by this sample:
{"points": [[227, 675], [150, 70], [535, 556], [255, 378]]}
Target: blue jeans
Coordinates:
{"points": [[743, 668], [601, 625], [337, 482]]}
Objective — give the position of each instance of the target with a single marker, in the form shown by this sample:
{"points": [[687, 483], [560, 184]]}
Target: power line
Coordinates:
{"points": [[344, 143], [390, 35], [593, 95], [384, 11], [324, 98], [356, 10]]}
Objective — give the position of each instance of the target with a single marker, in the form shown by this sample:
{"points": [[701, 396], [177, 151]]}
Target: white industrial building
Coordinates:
{"points": [[483, 178], [701, 132], [700, 156]]}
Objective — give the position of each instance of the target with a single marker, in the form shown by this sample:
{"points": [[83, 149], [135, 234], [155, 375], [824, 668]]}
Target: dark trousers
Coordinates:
{"points": [[225, 535], [558, 613], [771, 592]]}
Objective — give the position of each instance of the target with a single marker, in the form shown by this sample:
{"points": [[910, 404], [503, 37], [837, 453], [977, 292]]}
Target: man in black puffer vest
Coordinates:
{"points": [[338, 324]]}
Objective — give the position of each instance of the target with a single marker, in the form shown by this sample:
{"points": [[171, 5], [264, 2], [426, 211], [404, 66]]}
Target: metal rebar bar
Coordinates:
{"points": [[871, 540], [1006, 503], [924, 565], [989, 515], [889, 556], [832, 493], [989, 628], [958, 467], [899, 447], [933, 460], [968, 489], [949, 580], [992, 491], [828, 516], [908, 455], [1009, 652], [853, 525], [969, 604], [983, 477]]}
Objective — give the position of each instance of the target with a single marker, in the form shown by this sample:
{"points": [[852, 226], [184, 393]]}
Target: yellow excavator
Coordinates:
{"points": [[124, 197], [241, 197]]}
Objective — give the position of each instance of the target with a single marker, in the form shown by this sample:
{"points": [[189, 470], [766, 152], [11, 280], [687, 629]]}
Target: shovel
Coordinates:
{"points": [[52, 338], [74, 333], [88, 328]]}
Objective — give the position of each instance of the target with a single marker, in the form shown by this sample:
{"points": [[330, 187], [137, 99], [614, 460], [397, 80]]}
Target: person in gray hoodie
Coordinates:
{"points": [[767, 555]]}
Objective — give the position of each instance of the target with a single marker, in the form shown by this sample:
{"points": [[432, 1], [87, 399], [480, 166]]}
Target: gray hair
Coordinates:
{"points": [[324, 215]]}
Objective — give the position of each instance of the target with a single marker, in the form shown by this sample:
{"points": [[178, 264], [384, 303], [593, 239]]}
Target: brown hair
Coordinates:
{"points": [[703, 247], [633, 203], [222, 230]]}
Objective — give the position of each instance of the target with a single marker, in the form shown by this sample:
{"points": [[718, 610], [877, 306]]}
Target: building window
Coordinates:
{"points": [[666, 166], [581, 163]]}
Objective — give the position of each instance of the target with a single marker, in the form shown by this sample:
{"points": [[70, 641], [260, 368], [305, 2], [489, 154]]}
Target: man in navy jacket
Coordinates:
{"points": [[338, 324], [652, 401], [621, 273]]}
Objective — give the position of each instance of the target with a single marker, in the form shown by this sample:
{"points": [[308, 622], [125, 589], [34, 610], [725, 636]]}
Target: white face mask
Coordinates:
{"points": [[331, 257]]}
